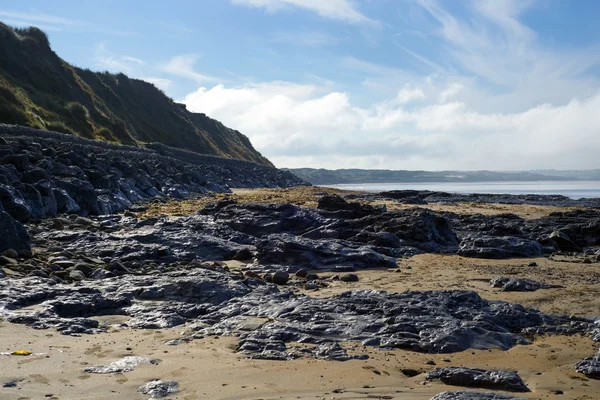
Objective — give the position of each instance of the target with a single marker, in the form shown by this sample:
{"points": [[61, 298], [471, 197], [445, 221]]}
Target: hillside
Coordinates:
{"points": [[347, 176], [40, 90]]}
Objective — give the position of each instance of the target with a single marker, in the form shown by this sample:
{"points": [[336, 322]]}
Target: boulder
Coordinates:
{"points": [[12, 234], [480, 378], [563, 241], [481, 246]]}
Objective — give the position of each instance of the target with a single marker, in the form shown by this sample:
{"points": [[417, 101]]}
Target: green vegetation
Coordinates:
{"points": [[40, 90]]}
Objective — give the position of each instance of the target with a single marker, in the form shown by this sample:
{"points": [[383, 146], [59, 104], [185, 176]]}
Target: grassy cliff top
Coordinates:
{"points": [[40, 90]]}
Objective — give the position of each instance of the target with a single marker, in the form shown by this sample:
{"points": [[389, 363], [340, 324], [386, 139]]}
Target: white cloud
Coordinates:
{"points": [[452, 90], [106, 60], [300, 126], [54, 23], [161, 83], [183, 66], [342, 10], [408, 94]]}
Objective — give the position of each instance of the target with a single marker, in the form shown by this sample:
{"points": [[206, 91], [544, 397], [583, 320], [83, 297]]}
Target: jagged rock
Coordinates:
{"points": [[286, 249], [12, 234], [464, 395], [157, 389], [125, 364], [481, 246], [590, 367], [563, 241], [471, 377], [514, 284], [342, 209]]}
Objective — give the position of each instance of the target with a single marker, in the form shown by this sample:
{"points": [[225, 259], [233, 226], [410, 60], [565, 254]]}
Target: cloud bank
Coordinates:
{"points": [[490, 96]]}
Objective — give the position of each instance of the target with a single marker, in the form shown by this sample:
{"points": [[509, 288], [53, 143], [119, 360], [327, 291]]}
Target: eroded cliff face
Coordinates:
{"points": [[40, 90]]}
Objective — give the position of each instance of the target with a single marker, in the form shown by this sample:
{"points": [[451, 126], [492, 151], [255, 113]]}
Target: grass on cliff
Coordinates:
{"points": [[40, 90]]}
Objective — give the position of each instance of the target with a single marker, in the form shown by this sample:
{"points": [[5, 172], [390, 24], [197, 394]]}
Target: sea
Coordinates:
{"points": [[571, 189]]}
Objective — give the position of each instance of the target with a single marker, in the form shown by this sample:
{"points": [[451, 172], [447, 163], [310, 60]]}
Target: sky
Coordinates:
{"points": [[383, 84]]}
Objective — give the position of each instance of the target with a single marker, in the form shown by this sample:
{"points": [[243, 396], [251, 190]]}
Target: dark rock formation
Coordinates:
{"points": [[45, 174], [481, 246], [464, 395], [590, 367], [514, 284], [471, 377]]}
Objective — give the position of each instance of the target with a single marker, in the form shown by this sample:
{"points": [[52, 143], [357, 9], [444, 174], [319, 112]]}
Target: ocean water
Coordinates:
{"points": [[572, 189]]}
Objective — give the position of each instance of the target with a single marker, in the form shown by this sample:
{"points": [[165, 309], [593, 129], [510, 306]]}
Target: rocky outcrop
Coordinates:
{"points": [[480, 378], [481, 246], [514, 284], [44, 174], [464, 395], [590, 367]]}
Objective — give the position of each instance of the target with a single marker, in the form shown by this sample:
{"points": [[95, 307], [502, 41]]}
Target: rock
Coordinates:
{"points": [[86, 269], [312, 277], [252, 274], [563, 241], [7, 261], [481, 246], [76, 275], [532, 264], [410, 372], [586, 261], [11, 253], [513, 284], [280, 278], [349, 278], [590, 367], [301, 273], [243, 255], [464, 395], [157, 389], [101, 274], [12, 234], [125, 364], [343, 209], [285, 249], [471, 377]]}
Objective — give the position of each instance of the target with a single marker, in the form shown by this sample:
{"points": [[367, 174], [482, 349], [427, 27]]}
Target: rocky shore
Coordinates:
{"points": [[82, 256]]}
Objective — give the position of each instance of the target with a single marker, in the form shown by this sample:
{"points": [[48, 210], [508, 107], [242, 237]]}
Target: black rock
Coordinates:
{"points": [[471, 377], [464, 395], [513, 284], [280, 277]]}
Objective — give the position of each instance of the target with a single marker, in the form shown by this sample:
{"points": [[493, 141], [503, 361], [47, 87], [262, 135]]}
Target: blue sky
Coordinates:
{"points": [[411, 84]]}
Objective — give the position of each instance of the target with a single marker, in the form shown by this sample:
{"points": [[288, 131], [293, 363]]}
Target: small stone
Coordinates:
{"points": [[556, 391], [76, 275], [311, 286], [252, 274], [409, 372], [312, 277], [349, 278], [532, 264], [302, 273], [10, 384], [243, 255], [4, 260], [280, 277], [586, 261], [157, 389], [11, 253]]}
